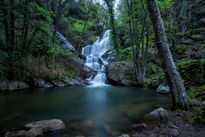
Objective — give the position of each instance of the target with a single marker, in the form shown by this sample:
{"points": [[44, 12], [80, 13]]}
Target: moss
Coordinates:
{"points": [[192, 71], [202, 88]]}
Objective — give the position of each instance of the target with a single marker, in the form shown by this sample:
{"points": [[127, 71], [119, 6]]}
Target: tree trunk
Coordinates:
{"points": [[173, 77]]}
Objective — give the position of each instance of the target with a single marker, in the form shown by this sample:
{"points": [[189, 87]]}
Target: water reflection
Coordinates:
{"points": [[99, 111]]}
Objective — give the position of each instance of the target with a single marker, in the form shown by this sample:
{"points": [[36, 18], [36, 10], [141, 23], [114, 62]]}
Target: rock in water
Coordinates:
{"points": [[37, 128], [163, 89], [46, 125]]}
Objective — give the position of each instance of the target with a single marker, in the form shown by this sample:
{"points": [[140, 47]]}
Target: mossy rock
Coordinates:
{"points": [[192, 71]]}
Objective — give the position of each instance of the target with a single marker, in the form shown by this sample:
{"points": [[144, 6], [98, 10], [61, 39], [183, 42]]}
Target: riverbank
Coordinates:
{"points": [[167, 123]]}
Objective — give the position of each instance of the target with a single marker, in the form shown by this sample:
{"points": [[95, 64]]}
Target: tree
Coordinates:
{"points": [[173, 77], [138, 28], [111, 12]]}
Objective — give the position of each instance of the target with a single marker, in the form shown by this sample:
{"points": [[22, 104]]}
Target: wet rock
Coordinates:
{"points": [[159, 114], [84, 70], [163, 89], [58, 83], [12, 85], [120, 73], [108, 56], [76, 81], [124, 135], [40, 83], [46, 125], [37, 128]]}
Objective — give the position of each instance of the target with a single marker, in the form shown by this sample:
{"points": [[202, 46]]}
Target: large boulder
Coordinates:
{"points": [[120, 73], [37, 128], [12, 85]]}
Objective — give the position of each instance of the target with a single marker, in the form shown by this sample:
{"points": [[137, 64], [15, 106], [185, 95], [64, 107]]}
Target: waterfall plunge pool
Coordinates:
{"points": [[87, 111]]}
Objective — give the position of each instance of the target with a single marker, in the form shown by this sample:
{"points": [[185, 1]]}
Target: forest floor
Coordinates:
{"points": [[178, 124]]}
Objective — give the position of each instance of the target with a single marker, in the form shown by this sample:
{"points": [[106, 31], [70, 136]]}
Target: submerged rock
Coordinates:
{"points": [[37, 128], [120, 73], [12, 85], [163, 89]]}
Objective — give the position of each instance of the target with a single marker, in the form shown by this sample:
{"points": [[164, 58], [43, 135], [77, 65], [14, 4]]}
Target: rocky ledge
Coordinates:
{"points": [[37, 128], [12, 85]]}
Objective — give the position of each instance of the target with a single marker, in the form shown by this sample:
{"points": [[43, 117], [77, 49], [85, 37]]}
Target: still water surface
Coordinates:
{"points": [[89, 111]]}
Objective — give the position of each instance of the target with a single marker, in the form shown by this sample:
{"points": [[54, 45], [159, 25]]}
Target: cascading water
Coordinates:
{"points": [[95, 60]]}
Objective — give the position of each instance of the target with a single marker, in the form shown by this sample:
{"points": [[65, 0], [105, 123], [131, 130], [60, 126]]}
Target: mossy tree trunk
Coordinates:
{"points": [[173, 77]]}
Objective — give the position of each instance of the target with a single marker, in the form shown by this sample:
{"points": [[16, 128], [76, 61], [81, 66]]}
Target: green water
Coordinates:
{"points": [[90, 111]]}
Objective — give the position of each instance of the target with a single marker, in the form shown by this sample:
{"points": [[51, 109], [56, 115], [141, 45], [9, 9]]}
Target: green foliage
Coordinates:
{"points": [[165, 4], [40, 12], [192, 95]]}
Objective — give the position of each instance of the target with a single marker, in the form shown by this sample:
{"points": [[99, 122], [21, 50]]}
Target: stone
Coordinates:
{"points": [[38, 128], [20, 133], [57, 83], [75, 81], [159, 114], [46, 125], [135, 135], [34, 132], [174, 132], [124, 135], [120, 73], [163, 89], [12, 85], [40, 83]]}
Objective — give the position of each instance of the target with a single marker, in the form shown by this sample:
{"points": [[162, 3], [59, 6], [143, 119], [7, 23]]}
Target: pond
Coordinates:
{"points": [[89, 111]]}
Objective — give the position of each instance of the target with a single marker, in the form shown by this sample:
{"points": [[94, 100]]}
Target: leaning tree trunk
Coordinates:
{"points": [[173, 77]]}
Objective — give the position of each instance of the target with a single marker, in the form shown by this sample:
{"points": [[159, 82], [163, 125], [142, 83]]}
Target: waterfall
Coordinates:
{"points": [[94, 58]]}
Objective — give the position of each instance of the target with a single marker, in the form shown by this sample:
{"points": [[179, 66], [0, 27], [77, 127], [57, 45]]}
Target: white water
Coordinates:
{"points": [[94, 58]]}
